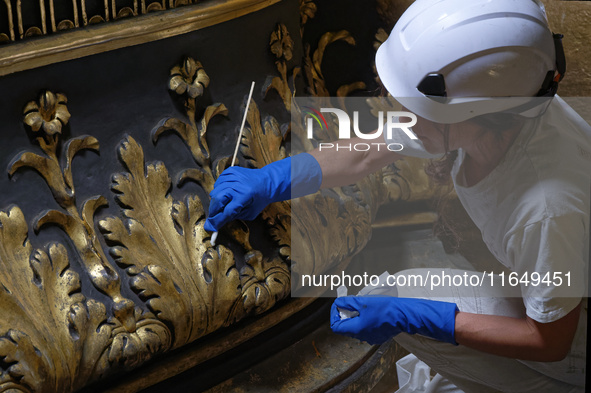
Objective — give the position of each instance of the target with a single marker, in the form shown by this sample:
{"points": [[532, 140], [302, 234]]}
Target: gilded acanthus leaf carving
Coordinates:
{"points": [[59, 181], [76, 340], [262, 142], [52, 339], [80, 228], [184, 281], [161, 243]]}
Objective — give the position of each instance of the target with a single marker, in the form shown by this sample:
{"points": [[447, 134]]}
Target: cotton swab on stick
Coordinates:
{"points": [[214, 236]]}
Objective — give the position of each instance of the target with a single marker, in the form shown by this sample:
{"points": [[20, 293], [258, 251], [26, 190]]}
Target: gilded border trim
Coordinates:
{"points": [[119, 34]]}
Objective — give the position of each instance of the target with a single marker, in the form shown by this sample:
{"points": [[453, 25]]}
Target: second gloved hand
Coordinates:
{"points": [[242, 193], [381, 318]]}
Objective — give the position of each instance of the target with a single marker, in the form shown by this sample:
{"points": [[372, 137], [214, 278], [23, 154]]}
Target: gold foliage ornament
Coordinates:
{"points": [[281, 46], [264, 142], [161, 245], [50, 113], [187, 283], [347, 211], [190, 78], [52, 338], [307, 11], [281, 43], [313, 66]]}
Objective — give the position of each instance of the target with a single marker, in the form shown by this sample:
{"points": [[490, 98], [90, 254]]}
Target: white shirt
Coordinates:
{"points": [[533, 211]]}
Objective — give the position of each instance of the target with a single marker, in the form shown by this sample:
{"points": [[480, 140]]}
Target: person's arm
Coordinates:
{"points": [[381, 318], [242, 193], [524, 339], [341, 166]]}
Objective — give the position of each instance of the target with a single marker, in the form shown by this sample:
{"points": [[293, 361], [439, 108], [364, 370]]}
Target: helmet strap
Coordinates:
{"points": [[553, 77]]}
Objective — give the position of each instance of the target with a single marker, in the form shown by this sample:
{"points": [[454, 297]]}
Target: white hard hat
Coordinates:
{"points": [[451, 60]]}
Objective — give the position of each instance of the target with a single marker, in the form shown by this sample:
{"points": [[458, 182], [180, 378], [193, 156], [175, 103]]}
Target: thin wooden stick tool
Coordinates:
{"points": [[214, 236]]}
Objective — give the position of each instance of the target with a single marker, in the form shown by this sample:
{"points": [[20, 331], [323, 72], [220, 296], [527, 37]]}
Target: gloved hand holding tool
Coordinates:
{"points": [[381, 318], [242, 193]]}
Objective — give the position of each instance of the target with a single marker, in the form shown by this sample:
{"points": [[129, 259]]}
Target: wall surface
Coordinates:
{"points": [[573, 19]]}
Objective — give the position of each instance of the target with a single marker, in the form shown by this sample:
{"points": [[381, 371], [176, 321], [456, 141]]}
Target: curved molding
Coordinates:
{"points": [[119, 34], [180, 361]]}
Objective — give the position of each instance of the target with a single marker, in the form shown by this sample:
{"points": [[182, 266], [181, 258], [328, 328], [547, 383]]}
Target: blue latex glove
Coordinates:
{"points": [[242, 193], [381, 318]]}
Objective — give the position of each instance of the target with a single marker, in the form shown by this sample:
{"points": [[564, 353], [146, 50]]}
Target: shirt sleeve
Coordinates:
{"points": [[551, 258]]}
